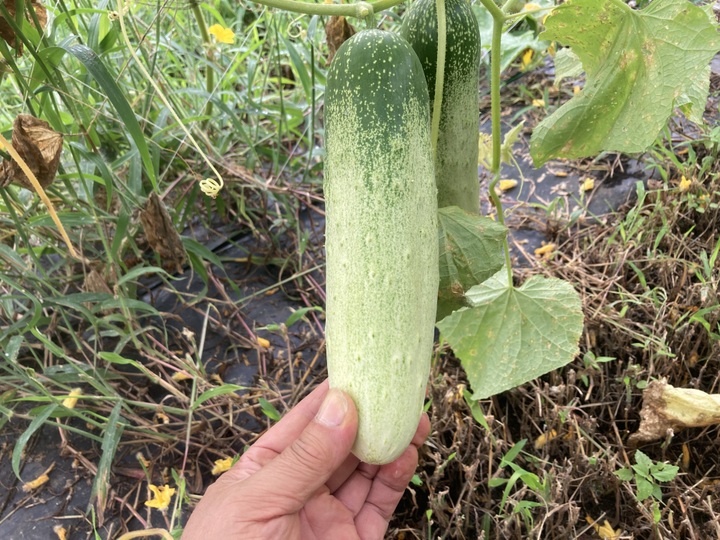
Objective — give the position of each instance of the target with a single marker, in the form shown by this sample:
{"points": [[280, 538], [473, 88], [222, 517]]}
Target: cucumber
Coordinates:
{"points": [[381, 238], [456, 165]]}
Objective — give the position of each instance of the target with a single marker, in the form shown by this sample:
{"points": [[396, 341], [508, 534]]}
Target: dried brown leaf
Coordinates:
{"points": [[39, 145], [6, 31], [668, 408], [161, 233], [337, 31]]}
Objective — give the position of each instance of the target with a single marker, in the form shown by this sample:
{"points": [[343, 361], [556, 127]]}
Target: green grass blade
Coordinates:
{"points": [[20, 445], [219, 391], [99, 72], [113, 432]]}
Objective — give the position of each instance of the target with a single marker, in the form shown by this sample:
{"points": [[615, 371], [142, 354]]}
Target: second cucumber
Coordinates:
{"points": [[457, 147]]}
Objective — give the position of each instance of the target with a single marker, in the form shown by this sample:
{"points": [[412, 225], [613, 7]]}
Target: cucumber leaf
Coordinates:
{"points": [[471, 250], [512, 335], [640, 65]]}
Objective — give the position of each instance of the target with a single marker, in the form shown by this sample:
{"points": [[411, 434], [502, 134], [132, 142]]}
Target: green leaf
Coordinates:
{"points": [[665, 473], [567, 65], [644, 488], [269, 409], [513, 43], [638, 64], [625, 474], [471, 250], [643, 461], [512, 335], [299, 314], [692, 101]]}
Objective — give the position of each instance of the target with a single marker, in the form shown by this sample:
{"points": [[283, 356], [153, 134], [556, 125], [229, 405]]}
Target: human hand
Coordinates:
{"points": [[299, 481]]}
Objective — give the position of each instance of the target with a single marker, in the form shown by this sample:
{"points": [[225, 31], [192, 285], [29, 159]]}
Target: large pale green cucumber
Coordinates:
{"points": [[457, 146], [381, 238]]}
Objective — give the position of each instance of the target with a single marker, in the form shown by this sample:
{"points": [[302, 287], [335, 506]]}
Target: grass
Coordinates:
{"points": [[174, 376]]}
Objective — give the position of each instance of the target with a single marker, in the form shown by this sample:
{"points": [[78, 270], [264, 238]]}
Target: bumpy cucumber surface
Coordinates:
{"points": [[457, 147], [381, 238]]}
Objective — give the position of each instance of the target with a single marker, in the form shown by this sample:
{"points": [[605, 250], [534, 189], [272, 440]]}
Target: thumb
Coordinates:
{"points": [[303, 467]]}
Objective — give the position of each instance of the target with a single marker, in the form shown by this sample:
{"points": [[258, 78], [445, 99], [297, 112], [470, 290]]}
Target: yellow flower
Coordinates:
{"points": [[538, 102], [264, 343], [161, 497], [605, 531], [587, 185], [684, 184], [222, 35], [527, 58], [72, 398], [222, 465], [545, 251]]}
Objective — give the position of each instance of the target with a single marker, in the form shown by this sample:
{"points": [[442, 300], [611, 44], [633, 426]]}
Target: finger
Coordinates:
{"points": [[278, 437], [341, 475], [290, 479], [385, 492], [356, 489]]}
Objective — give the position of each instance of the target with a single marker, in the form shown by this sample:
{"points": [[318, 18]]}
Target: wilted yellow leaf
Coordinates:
{"points": [[545, 438], [222, 34], [180, 376], [538, 102], [72, 398], [39, 481], [587, 185], [506, 185], [161, 496], [685, 456], [142, 460], [222, 465], [60, 531]]}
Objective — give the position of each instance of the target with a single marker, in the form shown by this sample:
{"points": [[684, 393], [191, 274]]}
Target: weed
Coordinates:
{"points": [[648, 476]]}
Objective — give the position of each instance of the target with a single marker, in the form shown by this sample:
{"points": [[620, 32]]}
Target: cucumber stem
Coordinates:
{"points": [[495, 57], [439, 74], [345, 10]]}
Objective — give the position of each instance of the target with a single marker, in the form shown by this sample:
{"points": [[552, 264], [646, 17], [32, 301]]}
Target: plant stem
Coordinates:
{"points": [[439, 74], [495, 57], [359, 9], [209, 72]]}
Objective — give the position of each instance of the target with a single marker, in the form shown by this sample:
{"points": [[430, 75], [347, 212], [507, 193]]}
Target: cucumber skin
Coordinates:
{"points": [[381, 238], [457, 148]]}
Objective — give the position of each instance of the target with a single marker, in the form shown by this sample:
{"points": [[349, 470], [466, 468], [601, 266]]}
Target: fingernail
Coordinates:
{"points": [[333, 409]]}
